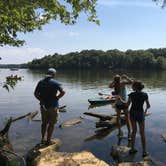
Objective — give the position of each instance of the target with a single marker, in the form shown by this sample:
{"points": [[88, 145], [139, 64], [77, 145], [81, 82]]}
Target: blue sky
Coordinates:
{"points": [[125, 24]]}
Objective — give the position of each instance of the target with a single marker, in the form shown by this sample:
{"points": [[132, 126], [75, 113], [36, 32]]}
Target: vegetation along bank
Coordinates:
{"points": [[111, 59]]}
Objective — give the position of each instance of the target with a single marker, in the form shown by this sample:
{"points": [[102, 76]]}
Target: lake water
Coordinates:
{"points": [[79, 86]]}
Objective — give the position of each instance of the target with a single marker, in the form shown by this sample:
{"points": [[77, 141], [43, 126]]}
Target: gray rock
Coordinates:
{"points": [[121, 154]]}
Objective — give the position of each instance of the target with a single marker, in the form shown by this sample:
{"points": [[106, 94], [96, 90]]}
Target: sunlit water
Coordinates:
{"points": [[79, 87]]}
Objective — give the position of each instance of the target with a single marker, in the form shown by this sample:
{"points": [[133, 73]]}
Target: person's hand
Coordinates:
{"points": [[145, 112]]}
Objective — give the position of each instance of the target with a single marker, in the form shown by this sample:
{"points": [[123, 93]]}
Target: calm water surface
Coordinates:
{"points": [[81, 85]]}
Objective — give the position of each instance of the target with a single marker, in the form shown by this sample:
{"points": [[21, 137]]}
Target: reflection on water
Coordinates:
{"points": [[81, 85]]}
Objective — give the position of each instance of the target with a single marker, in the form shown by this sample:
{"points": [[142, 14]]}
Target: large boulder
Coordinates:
{"points": [[48, 156]]}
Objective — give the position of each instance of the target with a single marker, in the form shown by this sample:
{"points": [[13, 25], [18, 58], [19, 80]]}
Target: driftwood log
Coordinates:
{"points": [[6, 149], [102, 117], [70, 122], [108, 121]]}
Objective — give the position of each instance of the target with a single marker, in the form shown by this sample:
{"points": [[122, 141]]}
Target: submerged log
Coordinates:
{"points": [[100, 134], [110, 123], [48, 156], [70, 122], [102, 117]]}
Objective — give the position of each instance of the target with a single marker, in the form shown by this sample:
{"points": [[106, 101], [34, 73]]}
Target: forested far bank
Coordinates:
{"points": [[111, 59]]}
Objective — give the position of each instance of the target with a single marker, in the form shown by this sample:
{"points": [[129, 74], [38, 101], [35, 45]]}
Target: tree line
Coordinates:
{"points": [[111, 59]]}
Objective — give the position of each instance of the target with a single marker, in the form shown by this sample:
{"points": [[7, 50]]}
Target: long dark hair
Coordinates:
{"points": [[117, 84]]}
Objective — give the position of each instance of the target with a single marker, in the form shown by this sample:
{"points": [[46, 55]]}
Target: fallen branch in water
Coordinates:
{"points": [[30, 116], [5, 130]]}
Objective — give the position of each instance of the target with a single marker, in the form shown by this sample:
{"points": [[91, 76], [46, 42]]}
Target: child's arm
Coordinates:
{"points": [[147, 106], [128, 80], [124, 102]]}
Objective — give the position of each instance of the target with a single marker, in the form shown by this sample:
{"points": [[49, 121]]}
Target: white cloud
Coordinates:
{"points": [[20, 55], [137, 3], [73, 34]]}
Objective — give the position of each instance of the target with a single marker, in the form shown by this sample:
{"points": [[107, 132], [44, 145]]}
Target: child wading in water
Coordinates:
{"points": [[137, 114]]}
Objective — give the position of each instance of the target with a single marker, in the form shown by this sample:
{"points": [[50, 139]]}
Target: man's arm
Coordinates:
{"points": [[36, 92], [61, 93]]}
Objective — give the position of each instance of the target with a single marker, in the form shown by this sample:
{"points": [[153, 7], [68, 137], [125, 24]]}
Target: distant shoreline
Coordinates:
{"points": [[9, 66], [150, 59]]}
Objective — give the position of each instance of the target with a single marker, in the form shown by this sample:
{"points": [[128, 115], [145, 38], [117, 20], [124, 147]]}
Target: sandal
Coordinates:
{"points": [[133, 151]]}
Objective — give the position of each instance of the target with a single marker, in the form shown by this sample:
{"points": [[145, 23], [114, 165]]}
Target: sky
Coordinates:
{"points": [[124, 24]]}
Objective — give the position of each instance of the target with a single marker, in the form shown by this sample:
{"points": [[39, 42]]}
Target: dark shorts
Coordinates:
{"points": [[121, 106], [139, 117]]}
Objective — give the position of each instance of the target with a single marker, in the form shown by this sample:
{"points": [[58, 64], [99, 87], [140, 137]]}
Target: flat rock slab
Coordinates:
{"points": [[41, 149], [48, 156], [69, 159]]}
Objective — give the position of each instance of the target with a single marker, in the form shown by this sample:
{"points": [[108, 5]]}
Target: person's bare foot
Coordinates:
{"points": [[49, 143], [145, 154]]}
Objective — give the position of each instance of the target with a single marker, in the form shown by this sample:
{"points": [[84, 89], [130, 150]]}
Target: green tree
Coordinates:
{"points": [[27, 15]]}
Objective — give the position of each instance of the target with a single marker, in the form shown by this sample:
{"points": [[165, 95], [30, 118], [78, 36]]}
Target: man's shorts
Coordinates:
{"points": [[49, 115]]}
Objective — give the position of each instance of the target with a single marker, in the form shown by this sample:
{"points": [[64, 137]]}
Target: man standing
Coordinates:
{"points": [[48, 91]]}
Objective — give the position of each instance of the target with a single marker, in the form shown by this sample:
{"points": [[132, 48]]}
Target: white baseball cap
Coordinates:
{"points": [[51, 72]]}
